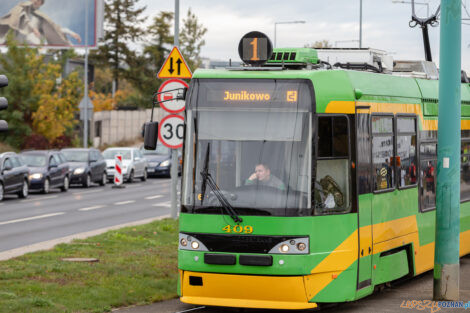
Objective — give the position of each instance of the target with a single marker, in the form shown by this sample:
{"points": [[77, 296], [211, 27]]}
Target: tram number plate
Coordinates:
{"points": [[238, 229]]}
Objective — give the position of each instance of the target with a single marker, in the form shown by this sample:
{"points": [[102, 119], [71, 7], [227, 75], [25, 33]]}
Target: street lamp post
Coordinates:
{"points": [[289, 22], [420, 3]]}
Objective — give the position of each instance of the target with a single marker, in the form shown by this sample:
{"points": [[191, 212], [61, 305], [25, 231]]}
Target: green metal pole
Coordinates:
{"points": [[446, 258]]}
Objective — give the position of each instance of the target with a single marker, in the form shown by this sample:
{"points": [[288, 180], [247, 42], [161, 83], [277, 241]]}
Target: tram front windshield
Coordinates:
{"points": [[249, 141]]}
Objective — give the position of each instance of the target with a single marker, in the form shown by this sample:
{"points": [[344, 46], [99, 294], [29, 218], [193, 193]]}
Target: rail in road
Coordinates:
{"points": [[41, 218]]}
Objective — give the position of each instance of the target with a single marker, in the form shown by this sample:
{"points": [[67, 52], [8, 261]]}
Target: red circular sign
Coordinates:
{"points": [[171, 130], [173, 106]]}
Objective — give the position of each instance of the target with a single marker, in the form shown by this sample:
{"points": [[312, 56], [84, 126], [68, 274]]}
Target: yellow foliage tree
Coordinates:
{"points": [[58, 101], [105, 102]]}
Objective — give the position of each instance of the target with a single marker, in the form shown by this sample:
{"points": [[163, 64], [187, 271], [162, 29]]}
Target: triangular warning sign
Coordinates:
{"points": [[175, 66]]}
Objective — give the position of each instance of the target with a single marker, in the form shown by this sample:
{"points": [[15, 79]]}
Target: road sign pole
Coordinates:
{"points": [[446, 258], [174, 152], [85, 113]]}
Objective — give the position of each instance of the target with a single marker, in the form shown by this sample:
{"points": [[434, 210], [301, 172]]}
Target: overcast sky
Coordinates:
{"points": [[385, 24]]}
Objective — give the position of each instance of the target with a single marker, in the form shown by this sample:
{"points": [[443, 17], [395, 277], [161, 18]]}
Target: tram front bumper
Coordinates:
{"points": [[244, 291]]}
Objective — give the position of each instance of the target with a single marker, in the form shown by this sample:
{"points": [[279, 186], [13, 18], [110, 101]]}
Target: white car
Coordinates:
{"points": [[134, 165]]}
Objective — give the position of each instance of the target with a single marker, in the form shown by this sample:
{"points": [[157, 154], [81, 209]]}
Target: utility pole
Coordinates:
{"points": [[360, 24], [174, 152], [446, 257]]}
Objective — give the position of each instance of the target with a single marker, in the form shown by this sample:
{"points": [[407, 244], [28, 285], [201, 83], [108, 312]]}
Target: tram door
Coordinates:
{"points": [[364, 191]]}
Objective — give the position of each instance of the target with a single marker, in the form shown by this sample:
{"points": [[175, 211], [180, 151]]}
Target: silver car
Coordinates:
{"points": [[134, 165]]}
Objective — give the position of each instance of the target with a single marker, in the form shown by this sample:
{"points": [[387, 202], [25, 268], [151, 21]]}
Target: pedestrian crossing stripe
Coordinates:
{"points": [[175, 66]]}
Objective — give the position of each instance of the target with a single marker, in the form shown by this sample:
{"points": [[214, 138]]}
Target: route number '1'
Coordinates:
{"points": [[255, 48], [171, 131], [254, 43]]}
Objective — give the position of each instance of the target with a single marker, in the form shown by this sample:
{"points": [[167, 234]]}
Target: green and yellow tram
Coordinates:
{"points": [[349, 202]]}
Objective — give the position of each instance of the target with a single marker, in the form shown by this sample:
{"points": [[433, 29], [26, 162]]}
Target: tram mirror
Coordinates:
{"points": [[150, 135], [182, 94]]}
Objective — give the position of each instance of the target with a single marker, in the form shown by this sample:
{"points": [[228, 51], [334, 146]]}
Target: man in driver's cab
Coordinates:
{"points": [[262, 176]]}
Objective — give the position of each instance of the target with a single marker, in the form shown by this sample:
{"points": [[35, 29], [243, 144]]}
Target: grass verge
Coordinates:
{"points": [[137, 265]]}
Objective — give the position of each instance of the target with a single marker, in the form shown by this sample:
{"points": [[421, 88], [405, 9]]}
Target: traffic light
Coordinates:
{"points": [[3, 103]]}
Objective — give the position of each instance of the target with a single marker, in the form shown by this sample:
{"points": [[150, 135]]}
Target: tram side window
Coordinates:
{"points": [[428, 162], [383, 152], [406, 151], [332, 188], [465, 172]]}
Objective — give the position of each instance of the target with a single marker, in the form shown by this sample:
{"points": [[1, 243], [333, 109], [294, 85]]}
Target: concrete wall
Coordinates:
{"points": [[109, 127]]}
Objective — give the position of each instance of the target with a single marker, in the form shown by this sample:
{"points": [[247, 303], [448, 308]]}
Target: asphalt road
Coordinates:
{"points": [[41, 218]]}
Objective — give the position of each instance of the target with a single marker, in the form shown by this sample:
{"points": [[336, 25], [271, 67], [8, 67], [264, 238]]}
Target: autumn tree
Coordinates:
{"points": [[191, 39], [40, 102]]}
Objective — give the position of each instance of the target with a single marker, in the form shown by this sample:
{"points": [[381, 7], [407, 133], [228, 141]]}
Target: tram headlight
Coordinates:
{"points": [[284, 248], [301, 246], [294, 245], [189, 242]]}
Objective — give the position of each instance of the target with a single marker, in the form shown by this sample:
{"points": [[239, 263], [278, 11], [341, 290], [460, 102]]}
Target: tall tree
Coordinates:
{"points": [[161, 38], [122, 26], [191, 39]]}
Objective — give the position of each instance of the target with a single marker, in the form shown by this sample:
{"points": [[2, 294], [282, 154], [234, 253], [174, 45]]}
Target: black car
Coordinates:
{"points": [[47, 169], [13, 175], [86, 166], [159, 161]]}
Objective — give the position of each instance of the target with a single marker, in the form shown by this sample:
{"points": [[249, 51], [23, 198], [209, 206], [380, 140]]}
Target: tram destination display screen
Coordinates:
{"points": [[259, 93]]}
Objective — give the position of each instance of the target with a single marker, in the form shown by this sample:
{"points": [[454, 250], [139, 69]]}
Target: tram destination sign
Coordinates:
{"points": [[285, 94]]}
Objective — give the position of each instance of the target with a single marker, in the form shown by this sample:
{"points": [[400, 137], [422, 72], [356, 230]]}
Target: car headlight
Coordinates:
{"points": [[78, 171], [35, 176], [165, 163]]}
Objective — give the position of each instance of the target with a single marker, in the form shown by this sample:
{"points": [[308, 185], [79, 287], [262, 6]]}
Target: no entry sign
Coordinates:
{"points": [[170, 132], [173, 106]]}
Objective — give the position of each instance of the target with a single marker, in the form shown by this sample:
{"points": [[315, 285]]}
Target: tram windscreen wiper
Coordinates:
{"points": [[207, 179], [205, 172]]}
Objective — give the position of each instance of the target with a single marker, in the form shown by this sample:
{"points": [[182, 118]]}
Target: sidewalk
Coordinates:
{"points": [[392, 299]]}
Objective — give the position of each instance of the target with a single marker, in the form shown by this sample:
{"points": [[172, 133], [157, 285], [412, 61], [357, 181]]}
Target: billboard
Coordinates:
{"points": [[52, 23]]}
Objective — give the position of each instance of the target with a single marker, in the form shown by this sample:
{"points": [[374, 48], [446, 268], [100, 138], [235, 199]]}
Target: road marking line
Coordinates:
{"points": [[31, 218], [92, 208], [39, 199], [124, 202], [86, 192], [168, 203], [153, 197]]}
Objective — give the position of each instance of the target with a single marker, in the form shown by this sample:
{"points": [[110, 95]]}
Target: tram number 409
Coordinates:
{"points": [[238, 229]]}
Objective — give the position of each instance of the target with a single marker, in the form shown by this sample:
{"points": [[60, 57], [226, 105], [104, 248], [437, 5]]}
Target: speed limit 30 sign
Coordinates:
{"points": [[170, 132]]}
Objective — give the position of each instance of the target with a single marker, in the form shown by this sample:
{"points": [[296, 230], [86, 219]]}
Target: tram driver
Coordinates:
{"points": [[263, 176]]}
